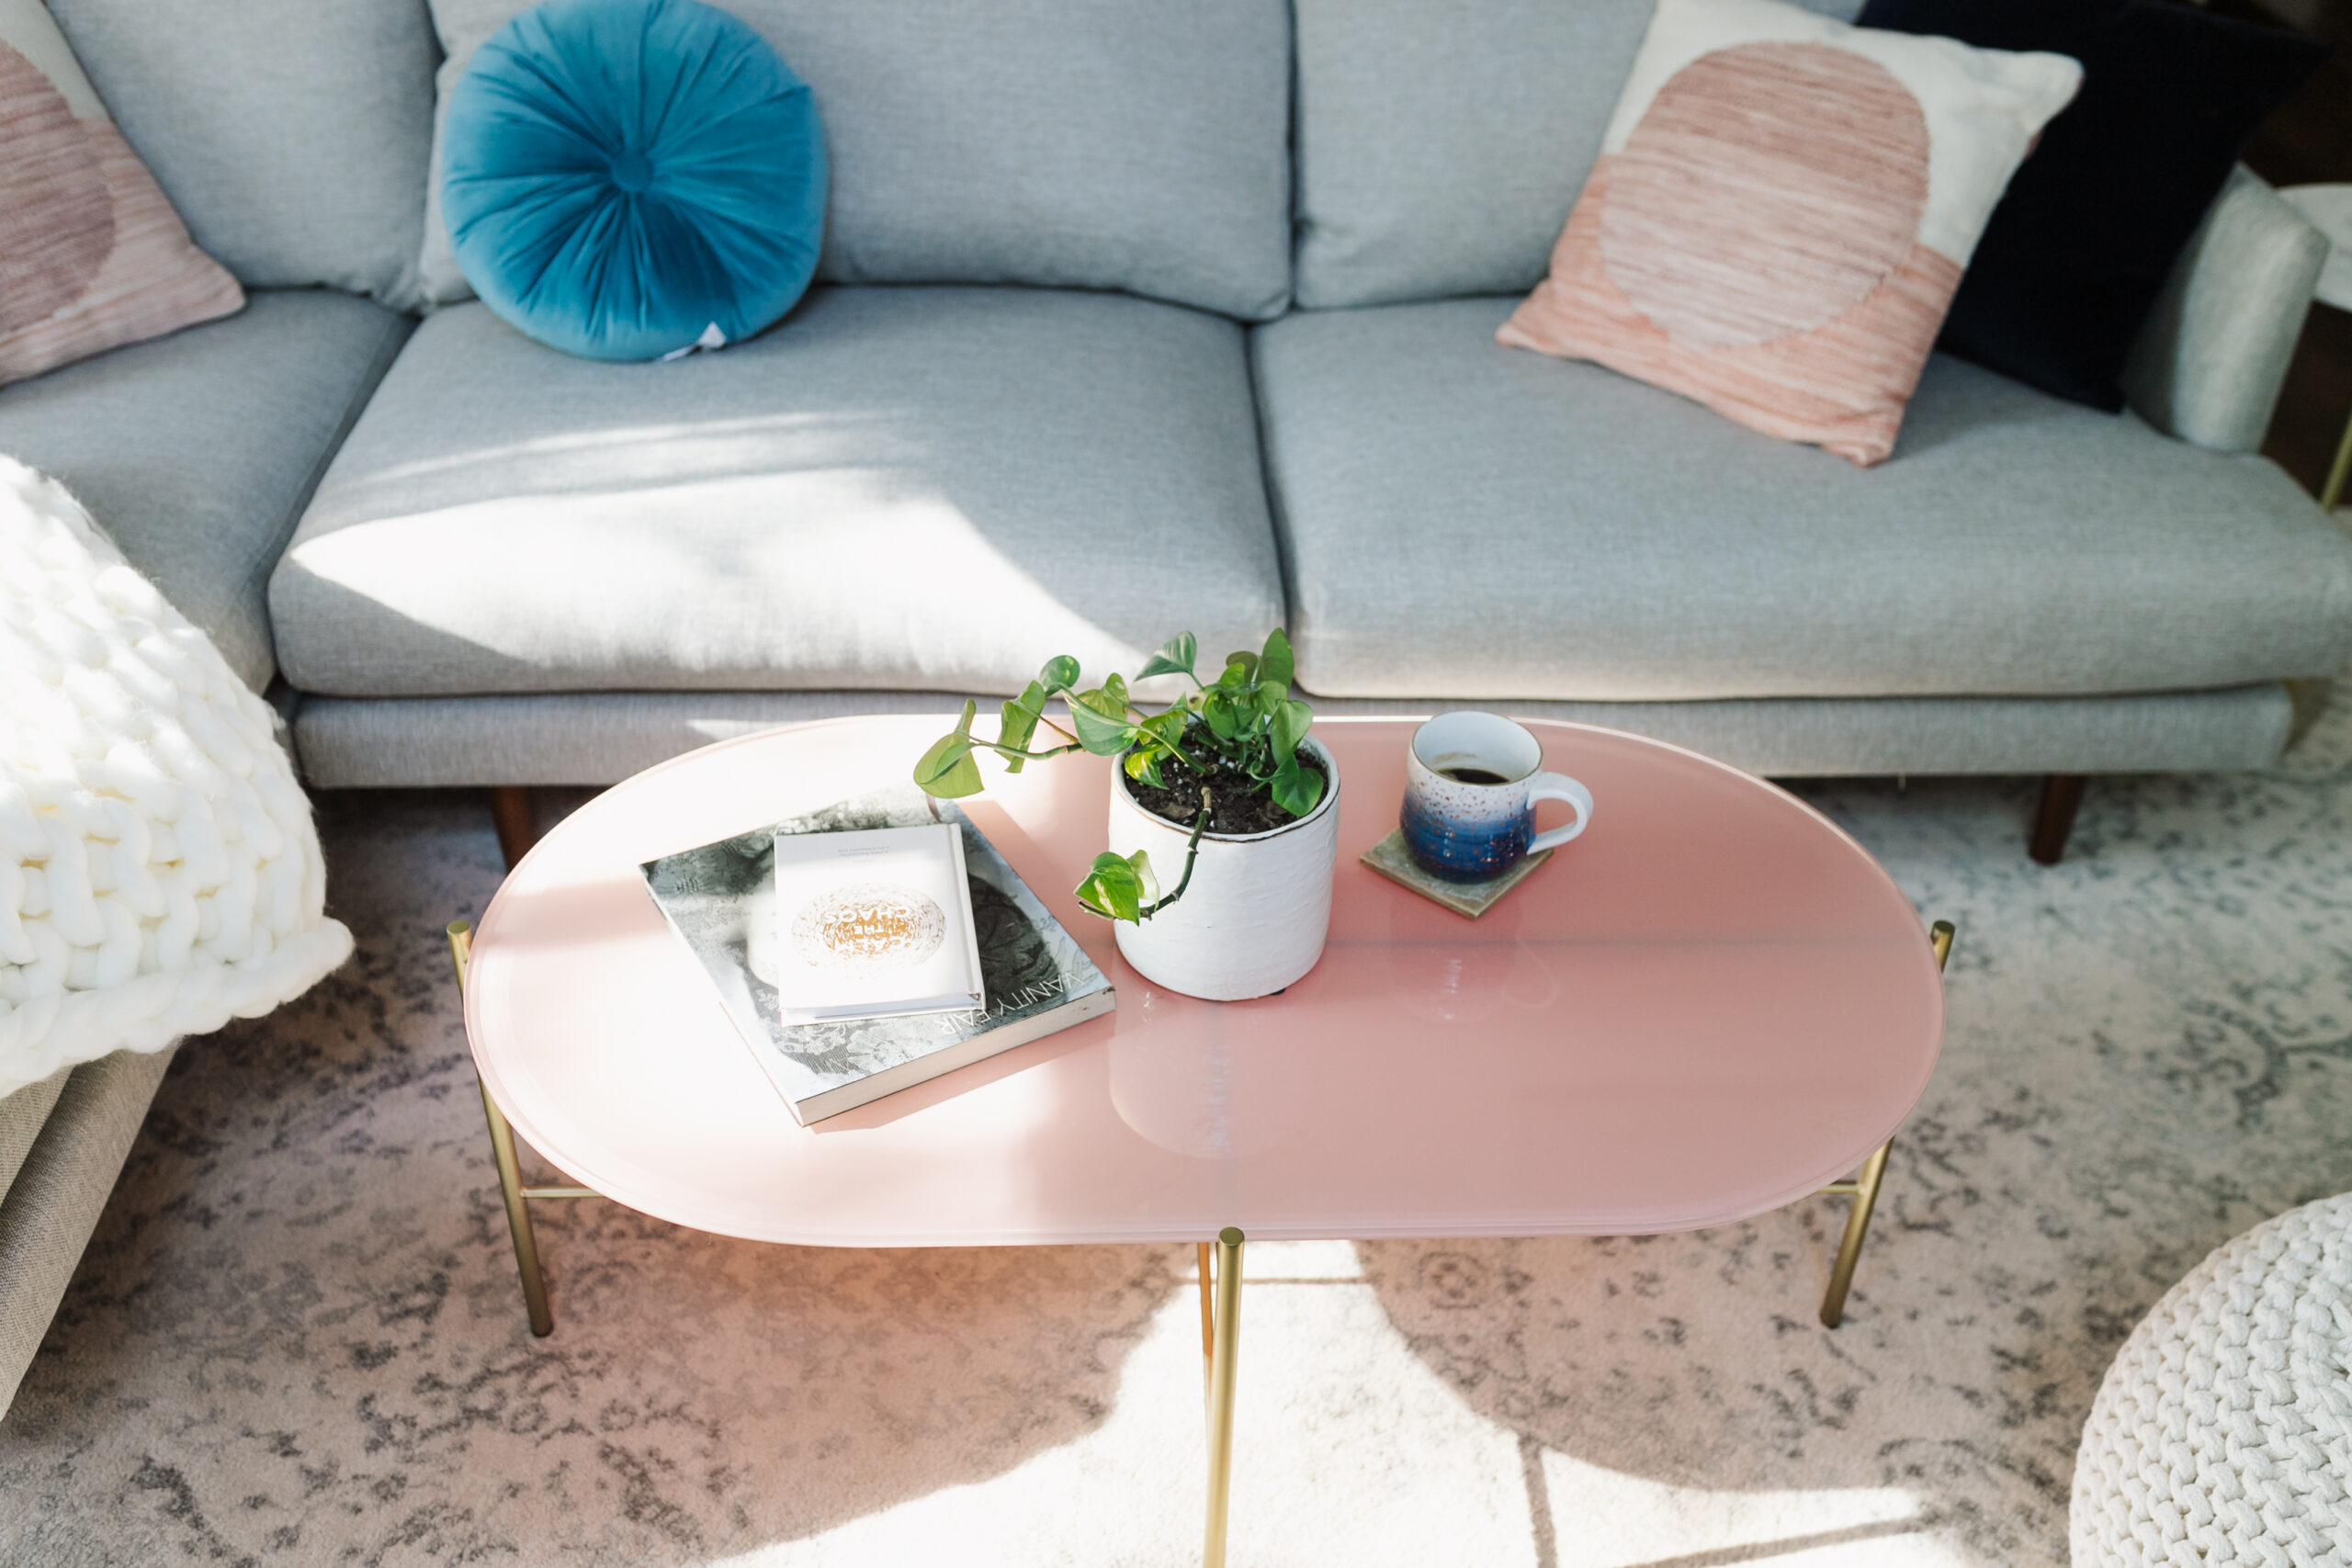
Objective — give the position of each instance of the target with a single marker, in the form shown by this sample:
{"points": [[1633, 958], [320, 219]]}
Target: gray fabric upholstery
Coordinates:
{"points": [[1464, 521], [197, 451], [2210, 362], [601, 738], [1442, 142], [54, 1204], [1061, 143], [292, 135], [898, 488], [22, 1116], [564, 738]]}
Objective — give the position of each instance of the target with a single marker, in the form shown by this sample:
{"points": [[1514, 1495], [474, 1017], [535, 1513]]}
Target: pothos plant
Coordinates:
{"points": [[1242, 729]]}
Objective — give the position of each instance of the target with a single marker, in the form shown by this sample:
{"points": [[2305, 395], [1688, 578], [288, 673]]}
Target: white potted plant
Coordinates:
{"points": [[1228, 777]]}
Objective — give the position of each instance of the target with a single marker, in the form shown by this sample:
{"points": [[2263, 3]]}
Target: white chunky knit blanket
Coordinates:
{"points": [[2223, 1432], [159, 872]]}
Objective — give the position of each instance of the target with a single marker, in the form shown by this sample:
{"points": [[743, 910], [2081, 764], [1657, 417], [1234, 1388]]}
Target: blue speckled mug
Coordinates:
{"points": [[1471, 784]]}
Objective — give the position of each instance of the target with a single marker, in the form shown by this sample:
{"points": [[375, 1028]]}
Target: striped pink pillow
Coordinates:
{"points": [[1782, 211], [91, 256]]}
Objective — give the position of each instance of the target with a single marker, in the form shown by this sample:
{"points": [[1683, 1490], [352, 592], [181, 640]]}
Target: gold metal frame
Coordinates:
{"points": [[1863, 1188], [510, 1169], [2333, 491], [1219, 1263], [1220, 1342]]}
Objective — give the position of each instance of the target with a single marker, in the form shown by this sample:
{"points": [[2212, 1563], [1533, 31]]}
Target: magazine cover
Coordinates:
{"points": [[721, 900]]}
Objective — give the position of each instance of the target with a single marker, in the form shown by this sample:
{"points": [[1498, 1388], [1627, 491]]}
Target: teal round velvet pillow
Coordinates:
{"points": [[626, 179]]}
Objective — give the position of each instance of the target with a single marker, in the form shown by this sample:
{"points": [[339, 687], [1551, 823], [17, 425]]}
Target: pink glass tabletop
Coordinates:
{"points": [[1707, 1006]]}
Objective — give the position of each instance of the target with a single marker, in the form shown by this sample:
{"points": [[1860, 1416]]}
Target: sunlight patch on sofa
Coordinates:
{"points": [[839, 578]]}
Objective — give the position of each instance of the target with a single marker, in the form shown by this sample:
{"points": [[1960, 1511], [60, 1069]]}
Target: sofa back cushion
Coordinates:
{"points": [[1442, 142], [1085, 144], [292, 135]]}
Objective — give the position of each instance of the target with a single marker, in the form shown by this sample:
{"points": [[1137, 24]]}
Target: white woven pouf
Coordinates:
{"points": [[2223, 1431]]}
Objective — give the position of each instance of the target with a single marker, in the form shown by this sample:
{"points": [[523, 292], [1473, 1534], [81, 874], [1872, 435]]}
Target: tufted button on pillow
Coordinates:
{"points": [[627, 179]]}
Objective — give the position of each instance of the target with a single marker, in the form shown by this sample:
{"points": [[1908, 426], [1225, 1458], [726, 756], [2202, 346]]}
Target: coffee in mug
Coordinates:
{"points": [[1471, 783]]}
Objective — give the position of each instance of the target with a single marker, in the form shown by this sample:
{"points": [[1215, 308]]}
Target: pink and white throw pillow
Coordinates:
{"points": [[92, 256], [1781, 210]]}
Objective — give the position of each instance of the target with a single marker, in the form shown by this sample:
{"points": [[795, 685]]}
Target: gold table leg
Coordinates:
{"points": [[2333, 491], [1225, 1341], [510, 1170], [1863, 1188], [1208, 1314]]}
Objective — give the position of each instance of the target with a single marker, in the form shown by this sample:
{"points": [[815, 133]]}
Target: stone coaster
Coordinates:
{"points": [[1393, 861]]}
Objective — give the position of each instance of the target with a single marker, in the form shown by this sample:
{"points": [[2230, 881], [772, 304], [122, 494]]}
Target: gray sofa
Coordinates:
{"points": [[1131, 319]]}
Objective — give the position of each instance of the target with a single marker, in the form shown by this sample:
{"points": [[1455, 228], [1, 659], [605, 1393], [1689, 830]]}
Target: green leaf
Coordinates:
{"points": [[1290, 724], [1059, 674], [1222, 713], [1118, 890], [1145, 766], [1295, 790], [1176, 657], [1115, 688], [947, 770], [1168, 729], [1241, 669], [1019, 722], [1275, 664], [1102, 723]]}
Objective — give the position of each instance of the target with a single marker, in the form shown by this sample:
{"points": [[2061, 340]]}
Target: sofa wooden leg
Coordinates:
{"points": [[515, 816], [2061, 796]]}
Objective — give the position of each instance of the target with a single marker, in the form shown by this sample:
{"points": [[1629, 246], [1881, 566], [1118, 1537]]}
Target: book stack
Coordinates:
{"points": [[872, 946]]}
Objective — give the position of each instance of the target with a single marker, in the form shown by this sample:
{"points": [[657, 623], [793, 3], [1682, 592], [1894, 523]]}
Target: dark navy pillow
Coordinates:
{"points": [[626, 179], [2077, 253]]}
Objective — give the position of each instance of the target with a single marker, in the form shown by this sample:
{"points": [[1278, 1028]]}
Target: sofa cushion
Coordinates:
{"points": [[1465, 522], [95, 257], [1061, 142], [1442, 142], [897, 488], [2088, 232], [197, 452], [290, 134], [1782, 211]]}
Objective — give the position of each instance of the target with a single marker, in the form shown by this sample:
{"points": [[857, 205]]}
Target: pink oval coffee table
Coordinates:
{"points": [[1710, 1004]]}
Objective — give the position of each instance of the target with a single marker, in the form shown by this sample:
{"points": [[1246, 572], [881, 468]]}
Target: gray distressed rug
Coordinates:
{"points": [[298, 1339]]}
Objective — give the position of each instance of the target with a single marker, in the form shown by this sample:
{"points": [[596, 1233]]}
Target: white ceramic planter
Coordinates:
{"points": [[1253, 919]]}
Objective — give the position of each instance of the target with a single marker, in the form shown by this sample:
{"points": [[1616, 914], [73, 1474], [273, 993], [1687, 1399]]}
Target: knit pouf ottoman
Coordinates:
{"points": [[2223, 1431]]}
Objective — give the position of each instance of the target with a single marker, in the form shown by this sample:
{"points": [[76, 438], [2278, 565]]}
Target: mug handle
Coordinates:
{"points": [[1558, 787]]}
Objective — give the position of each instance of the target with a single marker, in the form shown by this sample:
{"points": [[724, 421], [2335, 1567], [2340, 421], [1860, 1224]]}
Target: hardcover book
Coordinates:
{"points": [[874, 922], [721, 900]]}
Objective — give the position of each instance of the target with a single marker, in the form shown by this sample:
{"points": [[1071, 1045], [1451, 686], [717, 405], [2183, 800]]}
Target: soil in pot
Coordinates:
{"points": [[1238, 804]]}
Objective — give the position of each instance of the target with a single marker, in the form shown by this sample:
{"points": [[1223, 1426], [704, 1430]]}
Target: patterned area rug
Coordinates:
{"points": [[298, 1339]]}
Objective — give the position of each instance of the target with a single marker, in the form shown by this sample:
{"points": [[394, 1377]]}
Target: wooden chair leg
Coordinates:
{"points": [[2061, 796], [515, 816]]}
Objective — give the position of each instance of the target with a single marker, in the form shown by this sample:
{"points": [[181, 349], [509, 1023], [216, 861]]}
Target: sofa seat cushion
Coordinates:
{"points": [[1465, 522], [927, 489], [196, 452]]}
